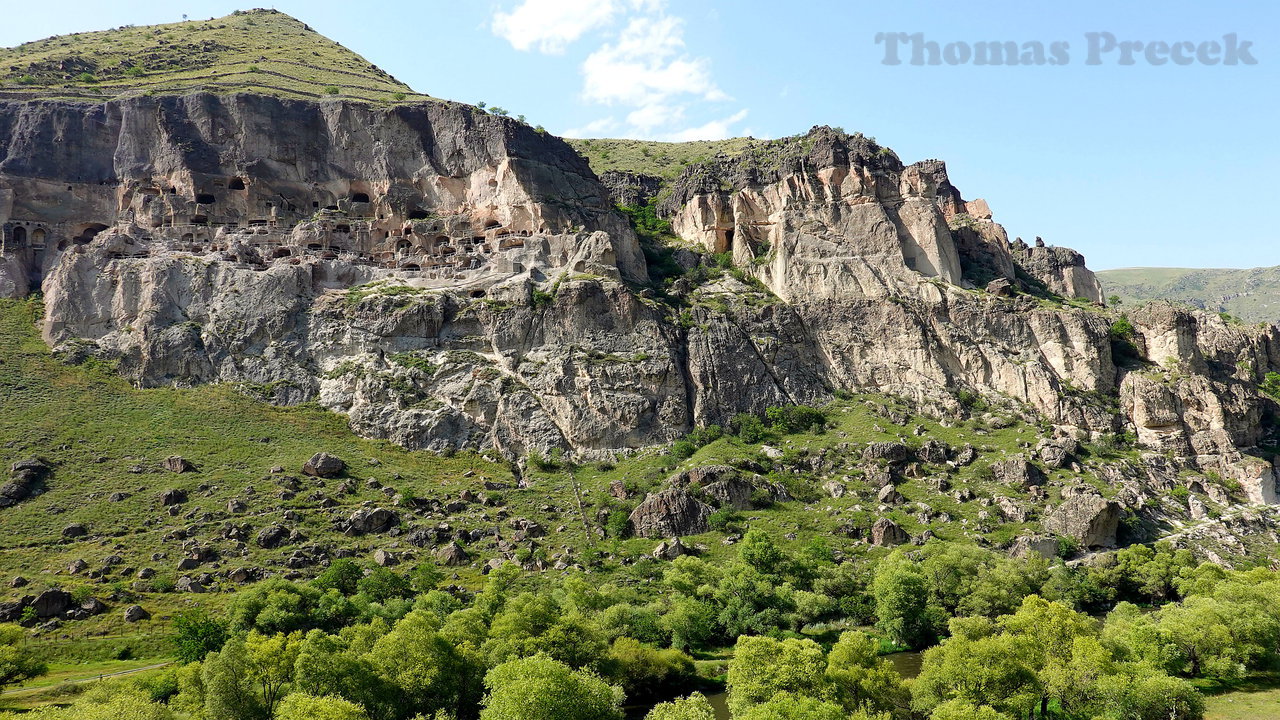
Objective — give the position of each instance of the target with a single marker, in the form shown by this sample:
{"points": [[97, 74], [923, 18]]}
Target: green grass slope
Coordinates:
{"points": [[647, 157], [1253, 295], [259, 51]]}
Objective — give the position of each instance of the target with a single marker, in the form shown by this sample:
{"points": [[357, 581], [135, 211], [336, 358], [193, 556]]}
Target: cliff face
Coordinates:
{"points": [[452, 279]]}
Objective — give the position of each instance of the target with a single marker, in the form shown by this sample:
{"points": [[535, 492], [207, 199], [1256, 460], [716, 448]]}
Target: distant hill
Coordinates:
{"points": [[1253, 295], [260, 51]]}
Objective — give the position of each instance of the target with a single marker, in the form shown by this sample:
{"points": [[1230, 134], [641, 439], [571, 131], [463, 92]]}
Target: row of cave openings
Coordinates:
{"points": [[27, 235]]}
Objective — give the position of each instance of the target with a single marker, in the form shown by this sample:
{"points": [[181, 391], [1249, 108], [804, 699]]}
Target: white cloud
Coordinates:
{"points": [[645, 66], [595, 128], [550, 25], [714, 130], [653, 116]]}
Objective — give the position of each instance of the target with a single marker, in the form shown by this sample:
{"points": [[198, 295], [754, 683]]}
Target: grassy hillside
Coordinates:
{"points": [[106, 441], [647, 157], [1253, 295], [262, 51]]}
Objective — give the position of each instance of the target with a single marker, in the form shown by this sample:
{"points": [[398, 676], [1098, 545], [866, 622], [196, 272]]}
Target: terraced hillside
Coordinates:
{"points": [[260, 51]]}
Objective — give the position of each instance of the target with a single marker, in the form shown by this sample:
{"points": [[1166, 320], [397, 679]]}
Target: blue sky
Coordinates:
{"points": [[1170, 165]]}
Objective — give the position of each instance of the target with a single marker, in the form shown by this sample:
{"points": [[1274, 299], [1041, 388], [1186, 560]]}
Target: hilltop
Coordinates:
{"points": [[260, 51], [1252, 295]]}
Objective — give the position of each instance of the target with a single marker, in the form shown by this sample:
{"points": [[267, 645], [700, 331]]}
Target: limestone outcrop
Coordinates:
{"points": [[452, 279]]}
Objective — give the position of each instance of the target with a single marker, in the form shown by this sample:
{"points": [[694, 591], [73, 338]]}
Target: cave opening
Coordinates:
{"points": [[360, 198], [20, 236], [235, 183], [419, 214]]}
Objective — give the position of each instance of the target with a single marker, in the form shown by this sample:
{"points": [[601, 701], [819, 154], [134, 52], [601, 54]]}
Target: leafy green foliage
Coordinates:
{"points": [[196, 634], [18, 660]]}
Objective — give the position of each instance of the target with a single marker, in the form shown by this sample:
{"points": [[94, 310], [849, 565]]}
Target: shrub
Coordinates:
{"points": [[748, 427], [86, 78], [795, 418], [135, 71], [332, 90], [398, 97], [683, 449], [618, 523], [1271, 385]]}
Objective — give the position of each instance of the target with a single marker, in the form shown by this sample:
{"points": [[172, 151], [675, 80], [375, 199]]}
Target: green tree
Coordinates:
{"points": [[643, 670], [763, 667], [760, 552], [196, 634], [307, 707], [539, 688], [429, 672], [861, 679], [961, 710], [18, 661], [341, 575], [901, 601], [383, 584], [249, 676], [791, 706], [693, 707]]}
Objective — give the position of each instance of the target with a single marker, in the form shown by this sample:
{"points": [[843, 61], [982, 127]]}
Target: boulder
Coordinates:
{"points": [[187, 584], [966, 455], [75, 531], [670, 513], [1090, 519], [135, 613], [173, 496], [51, 603], [384, 558], [1017, 472], [886, 533], [733, 492], [894, 452], [670, 550], [1027, 545], [452, 555], [1010, 510], [889, 495], [177, 464], [324, 465], [272, 536], [933, 452], [835, 488], [1001, 287], [1056, 453], [371, 520], [24, 474]]}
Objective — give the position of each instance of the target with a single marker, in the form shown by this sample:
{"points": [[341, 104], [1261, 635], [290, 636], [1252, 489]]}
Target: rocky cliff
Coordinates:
{"points": [[448, 278]]}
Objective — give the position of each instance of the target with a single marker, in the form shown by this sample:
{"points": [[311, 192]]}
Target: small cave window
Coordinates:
{"points": [[418, 214], [492, 224], [360, 198], [314, 246], [477, 293], [235, 183], [442, 239], [205, 199], [315, 204], [411, 267], [402, 246], [38, 239], [331, 208], [342, 228], [188, 237], [408, 229], [199, 220], [20, 236]]}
